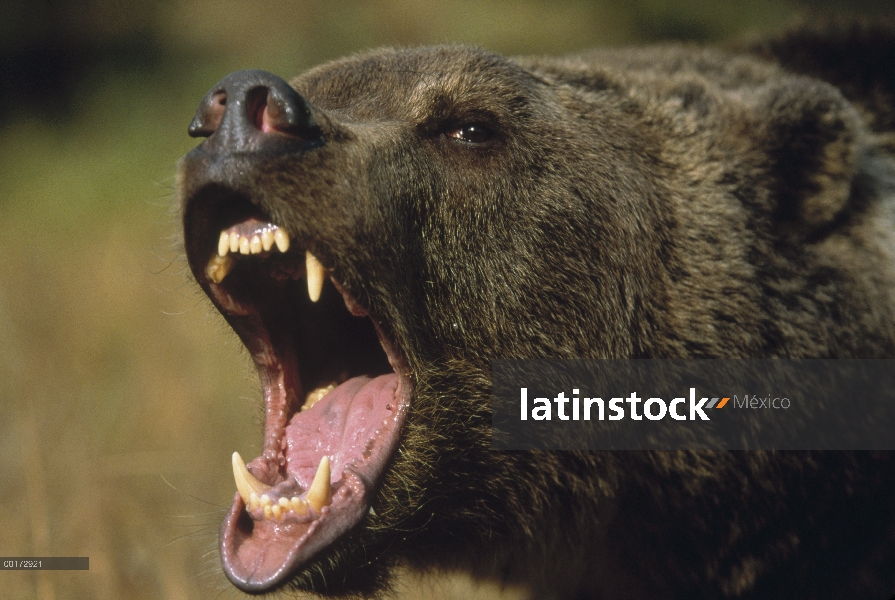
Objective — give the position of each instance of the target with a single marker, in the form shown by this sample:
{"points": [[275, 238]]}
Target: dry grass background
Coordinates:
{"points": [[122, 395]]}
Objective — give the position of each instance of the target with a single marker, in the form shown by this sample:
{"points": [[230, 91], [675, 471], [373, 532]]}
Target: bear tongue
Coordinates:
{"points": [[357, 426]]}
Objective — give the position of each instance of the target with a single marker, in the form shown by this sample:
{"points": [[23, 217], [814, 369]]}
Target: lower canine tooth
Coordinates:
{"points": [[219, 267], [246, 483], [315, 274], [320, 493]]}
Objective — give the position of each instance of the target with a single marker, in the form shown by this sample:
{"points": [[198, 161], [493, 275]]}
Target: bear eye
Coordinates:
{"points": [[471, 134]]}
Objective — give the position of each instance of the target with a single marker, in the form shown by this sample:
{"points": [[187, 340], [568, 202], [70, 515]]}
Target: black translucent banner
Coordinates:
{"points": [[694, 404], [44, 563]]}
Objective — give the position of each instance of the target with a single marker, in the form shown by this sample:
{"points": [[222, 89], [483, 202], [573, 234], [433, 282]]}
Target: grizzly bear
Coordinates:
{"points": [[380, 230]]}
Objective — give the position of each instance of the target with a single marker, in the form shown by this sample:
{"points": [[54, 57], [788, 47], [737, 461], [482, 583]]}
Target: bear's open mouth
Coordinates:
{"points": [[334, 401]]}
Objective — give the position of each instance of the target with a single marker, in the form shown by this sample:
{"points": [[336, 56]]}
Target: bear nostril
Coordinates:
{"points": [[268, 112], [209, 116], [256, 104], [281, 110], [276, 116]]}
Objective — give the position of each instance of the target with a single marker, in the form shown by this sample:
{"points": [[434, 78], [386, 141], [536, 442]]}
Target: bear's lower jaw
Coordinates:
{"points": [[336, 451], [322, 458]]}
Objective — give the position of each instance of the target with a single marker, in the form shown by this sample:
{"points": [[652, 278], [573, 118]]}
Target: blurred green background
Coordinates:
{"points": [[122, 394]]}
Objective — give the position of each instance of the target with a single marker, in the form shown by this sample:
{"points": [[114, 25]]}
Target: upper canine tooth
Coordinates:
{"points": [[219, 267], [224, 244], [282, 239], [315, 274], [246, 483], [320, 492]]}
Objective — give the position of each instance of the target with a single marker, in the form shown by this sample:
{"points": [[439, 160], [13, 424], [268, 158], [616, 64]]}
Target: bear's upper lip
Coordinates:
{"points": [[325, 450]]}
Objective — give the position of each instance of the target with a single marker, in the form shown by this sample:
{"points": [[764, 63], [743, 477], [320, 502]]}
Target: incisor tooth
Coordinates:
{"points": [[315, 274], [282, 239], [299, 505], [234, 241], [219, 267], [244, 245], [267, 239], [255, 244], [320, 493], [224, 244], [246, 483]]}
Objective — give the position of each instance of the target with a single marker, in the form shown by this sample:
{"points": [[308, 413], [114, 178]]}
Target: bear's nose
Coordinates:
{"points": [[246, 108]]}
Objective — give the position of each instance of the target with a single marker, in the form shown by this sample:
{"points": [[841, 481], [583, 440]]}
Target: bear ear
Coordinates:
{"points": [[812, 138]]}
